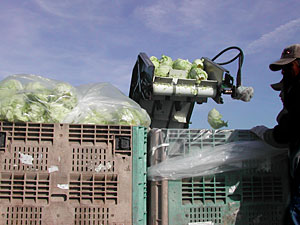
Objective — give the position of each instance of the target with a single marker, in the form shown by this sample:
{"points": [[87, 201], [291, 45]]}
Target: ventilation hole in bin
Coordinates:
{"points": [[92, 215], [23, 215], [262, 189], [21, 130], [92, 159], [37, 159], [99, 188], [204, 190], [2, 141], [24, 188], [31, 132], [204, 214], [264, 214], [5, 187]]}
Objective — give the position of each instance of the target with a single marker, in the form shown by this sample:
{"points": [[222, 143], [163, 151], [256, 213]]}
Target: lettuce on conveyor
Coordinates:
{"points": [[162, 66], [197, 72], [155, 61], [199, 63], [166, 60], [180, 68], [181, 64], [162, 71]]}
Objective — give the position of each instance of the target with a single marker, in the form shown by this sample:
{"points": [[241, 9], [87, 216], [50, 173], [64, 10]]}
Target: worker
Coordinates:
{"points": [[287, 131], [279, 87]]}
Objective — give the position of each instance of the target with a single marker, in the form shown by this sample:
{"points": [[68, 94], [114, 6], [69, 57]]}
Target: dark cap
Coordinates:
{"points": [[288, 55], [277, 86]]}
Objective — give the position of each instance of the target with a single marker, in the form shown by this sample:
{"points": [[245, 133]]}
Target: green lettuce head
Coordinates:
{"points": [[198, 74], [11, 84], [36, 112], [12, 108], [162, 71], [214, 119], [65, 95], [132, 116], [199, 63], [56, 112], [166, 60], [155, 61], [181, 64], [38, 92]]}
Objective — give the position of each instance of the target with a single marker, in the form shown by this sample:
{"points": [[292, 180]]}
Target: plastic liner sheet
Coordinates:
{"points": [[194, 153]]}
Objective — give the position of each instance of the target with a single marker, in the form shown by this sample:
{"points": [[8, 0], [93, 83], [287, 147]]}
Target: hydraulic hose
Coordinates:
{"points": [[240, 56]]}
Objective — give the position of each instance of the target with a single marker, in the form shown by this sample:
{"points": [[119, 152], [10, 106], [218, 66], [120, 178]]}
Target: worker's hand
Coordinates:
{"points": [[259, 131]]}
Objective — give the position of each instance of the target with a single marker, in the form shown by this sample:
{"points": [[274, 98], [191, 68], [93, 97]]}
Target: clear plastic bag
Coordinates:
{"points": [[32, 98], [205, 152], [27, 97], [102, 103]]}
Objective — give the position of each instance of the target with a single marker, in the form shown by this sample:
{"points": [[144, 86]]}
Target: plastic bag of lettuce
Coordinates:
{"points": [[102, 103], [32, 98]]}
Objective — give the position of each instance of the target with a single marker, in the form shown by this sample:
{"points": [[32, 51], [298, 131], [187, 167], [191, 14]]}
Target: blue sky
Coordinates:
{"points": [[88, 41]]}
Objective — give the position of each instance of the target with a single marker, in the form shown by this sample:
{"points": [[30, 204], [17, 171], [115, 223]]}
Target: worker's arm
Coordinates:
{"points": [[270, 139], [277, 136]]}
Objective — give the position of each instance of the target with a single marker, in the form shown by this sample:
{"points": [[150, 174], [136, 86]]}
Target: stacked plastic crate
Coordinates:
{"points": [[72, 174], [258, 194]]}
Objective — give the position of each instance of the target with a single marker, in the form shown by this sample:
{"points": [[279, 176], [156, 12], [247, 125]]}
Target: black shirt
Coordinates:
{"points": [[288, 128]]}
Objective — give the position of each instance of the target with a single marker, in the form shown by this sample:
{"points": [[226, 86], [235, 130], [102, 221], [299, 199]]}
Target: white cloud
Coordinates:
{"points": [[281, 34], [168, 16], [50, 47], [57, 8], [94, 11], [158, 16], [194, 12]]}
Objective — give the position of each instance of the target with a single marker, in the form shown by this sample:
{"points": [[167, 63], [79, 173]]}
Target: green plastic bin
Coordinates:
{"points": [[257, 196], [139, 176]]}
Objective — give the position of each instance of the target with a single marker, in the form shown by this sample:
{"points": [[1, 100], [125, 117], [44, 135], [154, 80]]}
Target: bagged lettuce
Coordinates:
{"points": [[27, 97], [102, 103], [11, 85], [32, 98]]}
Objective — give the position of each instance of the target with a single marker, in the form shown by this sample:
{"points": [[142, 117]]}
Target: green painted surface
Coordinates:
{"points": [[139, 182], [249, 196]]}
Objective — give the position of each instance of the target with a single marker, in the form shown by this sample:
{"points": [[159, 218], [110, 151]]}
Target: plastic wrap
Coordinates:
{"points": [[102, 103], [204, 152], [32, 98]]}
